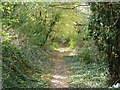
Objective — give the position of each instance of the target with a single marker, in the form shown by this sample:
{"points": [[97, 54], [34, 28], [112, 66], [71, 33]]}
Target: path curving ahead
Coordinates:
{"points": [[60, 71]]}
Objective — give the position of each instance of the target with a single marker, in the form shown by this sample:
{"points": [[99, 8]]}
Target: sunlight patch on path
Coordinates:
{"points": [[59, 81], [73, 53], [59, 77], [68, 51], [61, 72], [63, 49]]}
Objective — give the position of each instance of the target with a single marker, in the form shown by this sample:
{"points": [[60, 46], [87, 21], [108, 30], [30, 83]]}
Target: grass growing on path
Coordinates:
{"points": [[71, 70], [85, 75]]}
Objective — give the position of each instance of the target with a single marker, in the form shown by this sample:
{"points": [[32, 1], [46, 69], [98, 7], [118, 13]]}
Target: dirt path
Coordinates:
{"points": [[60, 71]]}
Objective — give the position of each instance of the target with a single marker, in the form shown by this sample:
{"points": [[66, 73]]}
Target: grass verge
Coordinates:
{"points": [[86, 75]]}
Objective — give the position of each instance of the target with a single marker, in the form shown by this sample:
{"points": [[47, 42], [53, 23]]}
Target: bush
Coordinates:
{"points": [[55, 45], [18, 71], [90, 53]]}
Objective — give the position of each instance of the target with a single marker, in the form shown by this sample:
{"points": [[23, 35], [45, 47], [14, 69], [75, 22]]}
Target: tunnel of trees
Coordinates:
{"points": [[34, 33]]}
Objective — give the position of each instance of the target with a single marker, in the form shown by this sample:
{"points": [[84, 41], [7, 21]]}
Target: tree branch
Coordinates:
{"points": [[58, 6]]}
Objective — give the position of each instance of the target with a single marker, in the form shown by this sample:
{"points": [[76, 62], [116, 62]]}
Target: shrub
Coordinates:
{"points": [[17, 70]]}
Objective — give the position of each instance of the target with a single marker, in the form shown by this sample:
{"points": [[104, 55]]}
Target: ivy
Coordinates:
{"points": [[105, 30]]}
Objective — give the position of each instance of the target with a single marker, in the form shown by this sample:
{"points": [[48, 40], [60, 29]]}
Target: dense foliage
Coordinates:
{"points": [[24, 31], [104, 27], [18, 70], [33, 26], [32, 30]]}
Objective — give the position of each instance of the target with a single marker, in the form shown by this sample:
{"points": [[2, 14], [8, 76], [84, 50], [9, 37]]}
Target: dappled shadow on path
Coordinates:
{"points": [[71, 70], [61, 72], [85, 75]]}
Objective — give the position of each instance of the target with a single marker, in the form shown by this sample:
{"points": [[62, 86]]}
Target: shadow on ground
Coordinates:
{"points": [[85, 75]]}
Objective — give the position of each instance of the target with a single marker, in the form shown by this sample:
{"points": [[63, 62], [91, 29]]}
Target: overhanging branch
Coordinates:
{"points": [[61, 6]]}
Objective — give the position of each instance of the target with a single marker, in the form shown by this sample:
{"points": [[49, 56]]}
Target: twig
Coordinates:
{"points": [[116, 81]]}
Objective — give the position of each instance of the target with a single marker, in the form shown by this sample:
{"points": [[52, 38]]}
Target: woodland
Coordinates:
{"points": [[60, 44]]}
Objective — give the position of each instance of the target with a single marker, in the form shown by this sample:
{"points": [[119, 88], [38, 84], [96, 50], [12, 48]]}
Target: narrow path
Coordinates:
{"points": [[60, 71]]}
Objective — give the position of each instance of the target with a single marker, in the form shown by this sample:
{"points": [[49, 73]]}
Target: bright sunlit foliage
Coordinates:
{"points": [[60, 44]]}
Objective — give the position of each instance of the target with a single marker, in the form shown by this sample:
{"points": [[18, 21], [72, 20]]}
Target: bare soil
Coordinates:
{"points": [[61, 72]]}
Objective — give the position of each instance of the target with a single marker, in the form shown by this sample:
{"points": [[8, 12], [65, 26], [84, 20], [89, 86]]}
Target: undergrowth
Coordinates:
{"points": [[21, 69], [89, 67], [85, 75]]}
